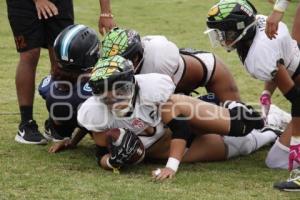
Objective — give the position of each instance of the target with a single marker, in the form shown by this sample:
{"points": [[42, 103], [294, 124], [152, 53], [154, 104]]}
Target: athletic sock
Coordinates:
{"points": [[26, 113], [263, 138], [240, 146]]}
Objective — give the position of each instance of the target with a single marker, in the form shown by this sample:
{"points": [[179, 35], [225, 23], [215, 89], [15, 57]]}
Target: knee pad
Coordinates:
{"points": [[237, 126], [294, 97], [180, 129], [243, 119]]}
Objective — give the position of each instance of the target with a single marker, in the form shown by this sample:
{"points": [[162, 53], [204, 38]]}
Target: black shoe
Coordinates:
{"points": [[247, 114], [50, 132], [292, 184], [29, 134]]}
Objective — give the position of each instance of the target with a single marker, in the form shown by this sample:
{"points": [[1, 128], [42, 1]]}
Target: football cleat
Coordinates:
{"points": [[292, 184], [278, 118], [51, 134], [29, 134]]}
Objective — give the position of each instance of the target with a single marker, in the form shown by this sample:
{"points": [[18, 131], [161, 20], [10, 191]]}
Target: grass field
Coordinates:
{"points": [[29, 172]]}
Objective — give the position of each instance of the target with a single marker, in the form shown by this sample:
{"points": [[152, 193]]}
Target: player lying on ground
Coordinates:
{"points": [[188, 68], [139, 103], [211, 147], [235, 25], [77, 51]]}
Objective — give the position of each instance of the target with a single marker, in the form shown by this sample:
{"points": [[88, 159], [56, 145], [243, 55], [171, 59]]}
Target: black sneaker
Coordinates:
{"points": [[29, 134], [292, 184], [50, 132]]}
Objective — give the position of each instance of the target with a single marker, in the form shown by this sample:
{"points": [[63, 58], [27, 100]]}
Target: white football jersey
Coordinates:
{"points": [[154, 89], [162, 56], [263, 55]]}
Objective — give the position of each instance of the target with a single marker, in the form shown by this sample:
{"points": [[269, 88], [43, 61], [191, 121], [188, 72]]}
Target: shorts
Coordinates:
{"points": [[30, 32], [207, 60]]}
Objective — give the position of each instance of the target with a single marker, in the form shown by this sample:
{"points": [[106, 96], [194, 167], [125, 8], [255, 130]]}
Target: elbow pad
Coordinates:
{"points": [[294, 97]]}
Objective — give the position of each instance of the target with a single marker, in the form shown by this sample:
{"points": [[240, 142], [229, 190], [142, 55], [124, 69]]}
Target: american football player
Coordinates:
{"points": [[188, 68], [124, 101], [235, 24], [140, 103], [77, 51]]}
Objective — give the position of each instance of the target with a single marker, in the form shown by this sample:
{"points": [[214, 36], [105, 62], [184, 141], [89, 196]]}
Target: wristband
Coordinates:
{"points": [[281, 5], [173, 164], [107, 15]]}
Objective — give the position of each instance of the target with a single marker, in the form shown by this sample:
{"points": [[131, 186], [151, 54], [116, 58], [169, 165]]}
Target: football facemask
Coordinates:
{"points": [[221, 38]]}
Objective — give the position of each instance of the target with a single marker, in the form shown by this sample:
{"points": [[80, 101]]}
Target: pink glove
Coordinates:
{"points": [[294, 156], [265, 103]]}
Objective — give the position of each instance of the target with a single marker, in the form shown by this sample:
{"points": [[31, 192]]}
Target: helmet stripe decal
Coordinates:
{"points": [[67, 40]]}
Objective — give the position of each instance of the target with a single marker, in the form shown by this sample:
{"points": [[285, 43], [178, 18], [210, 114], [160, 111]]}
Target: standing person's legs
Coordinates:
{"points": [[56, 24], [25, 81], [29, 37]]}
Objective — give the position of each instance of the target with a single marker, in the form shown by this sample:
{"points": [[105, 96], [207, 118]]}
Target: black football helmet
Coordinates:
{"points": [[77, 48]]}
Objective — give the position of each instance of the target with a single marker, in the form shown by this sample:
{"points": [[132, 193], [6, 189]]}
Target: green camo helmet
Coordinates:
{"points": [[124, 42], [231, 20], [111, 73]]}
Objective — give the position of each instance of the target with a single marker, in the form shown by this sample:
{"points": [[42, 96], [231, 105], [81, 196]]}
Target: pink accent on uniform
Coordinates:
{"points": [[265, 101], [294, 156]]}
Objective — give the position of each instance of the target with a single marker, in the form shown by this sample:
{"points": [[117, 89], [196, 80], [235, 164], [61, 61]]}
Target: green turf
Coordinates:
{"points": [[29, 172]]}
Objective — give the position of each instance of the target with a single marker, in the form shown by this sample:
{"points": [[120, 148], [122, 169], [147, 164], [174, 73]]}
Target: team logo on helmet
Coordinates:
{"points": [[106, 67], [114, 43], [224, 8], [213, 11]]}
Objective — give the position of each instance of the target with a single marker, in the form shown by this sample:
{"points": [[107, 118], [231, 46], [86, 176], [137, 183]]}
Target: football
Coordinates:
{"points": [[130, 144]]}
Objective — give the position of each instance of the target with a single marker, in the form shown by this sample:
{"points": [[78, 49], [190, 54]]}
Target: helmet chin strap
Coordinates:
{"points": [[230, 47], [138, 68]]}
